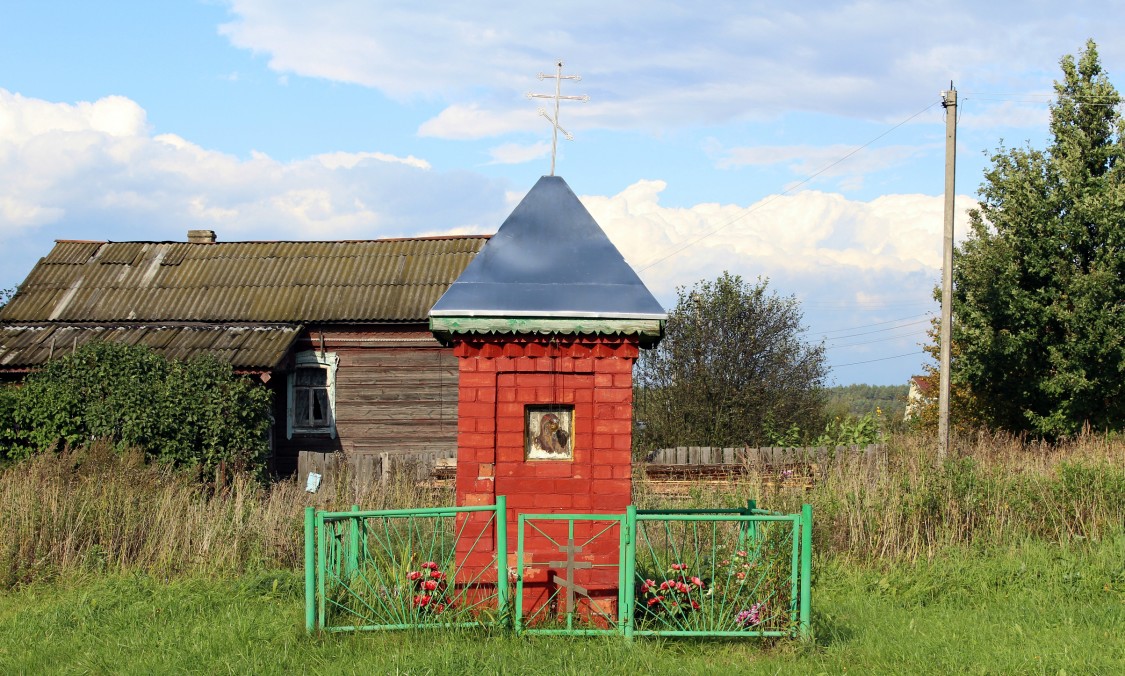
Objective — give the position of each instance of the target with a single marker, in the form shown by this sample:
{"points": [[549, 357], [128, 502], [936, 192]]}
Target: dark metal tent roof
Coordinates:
{"points": [[549, 259]]}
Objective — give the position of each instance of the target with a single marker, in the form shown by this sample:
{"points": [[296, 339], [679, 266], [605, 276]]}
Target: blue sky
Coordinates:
{"points": [[718, 136]]}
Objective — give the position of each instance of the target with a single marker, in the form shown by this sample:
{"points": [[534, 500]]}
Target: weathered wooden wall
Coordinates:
{"points": [[366, 468], [396, 393]]}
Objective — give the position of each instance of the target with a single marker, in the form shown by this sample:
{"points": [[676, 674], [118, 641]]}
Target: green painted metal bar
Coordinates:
{"points": [[762, 518], [421, 511], [795, 568], [629, 575], [321, 568], [351, 566], [310, 569], [749, 633], [806, 572], [502, 590], [518, 616]]}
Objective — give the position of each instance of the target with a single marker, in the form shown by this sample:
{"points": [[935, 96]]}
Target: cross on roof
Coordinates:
{"points": [[557, 96]]}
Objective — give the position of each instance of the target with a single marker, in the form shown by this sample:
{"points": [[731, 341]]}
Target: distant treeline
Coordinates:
{"points": [[859, 400]]}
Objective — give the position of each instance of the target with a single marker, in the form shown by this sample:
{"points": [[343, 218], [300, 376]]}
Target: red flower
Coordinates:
{"points": [[422, 600], [682, 588], [655, 599], [695, 605], [414, 575], [666, 585], [430, 565], [741, 553], [429, 585], [439, 608], [437, 575], [697, 582], [679, 566]]}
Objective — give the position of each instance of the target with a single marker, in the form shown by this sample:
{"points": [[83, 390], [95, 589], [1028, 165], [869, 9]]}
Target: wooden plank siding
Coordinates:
{"points": [[396, 393]]}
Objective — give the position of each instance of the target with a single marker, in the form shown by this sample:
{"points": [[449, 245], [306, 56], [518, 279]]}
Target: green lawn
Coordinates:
{"points": [[1031, 609]]}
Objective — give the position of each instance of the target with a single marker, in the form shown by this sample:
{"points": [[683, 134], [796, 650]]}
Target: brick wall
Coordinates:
{"points": [[499, 377]]}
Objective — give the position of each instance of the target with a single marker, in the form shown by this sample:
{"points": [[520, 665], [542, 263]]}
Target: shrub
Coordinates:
{"points": [[194, 412]]}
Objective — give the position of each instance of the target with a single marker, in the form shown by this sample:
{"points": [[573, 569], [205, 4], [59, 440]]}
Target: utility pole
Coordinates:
{"points": [[949, 102]]}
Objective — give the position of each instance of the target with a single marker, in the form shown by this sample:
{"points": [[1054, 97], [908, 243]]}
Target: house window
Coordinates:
{"points": [[312, 394]]}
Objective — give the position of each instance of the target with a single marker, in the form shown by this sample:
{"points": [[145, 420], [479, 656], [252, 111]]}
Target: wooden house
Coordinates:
{"points": [[337, 330]]}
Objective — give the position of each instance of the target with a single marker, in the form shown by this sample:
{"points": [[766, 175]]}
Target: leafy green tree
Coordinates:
{"points": [[6, 295], [733, 369], [194, 412], [1040, 281]]}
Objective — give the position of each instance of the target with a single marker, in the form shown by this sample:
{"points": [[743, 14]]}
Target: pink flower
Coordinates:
{"points": [[697, 582], [647, 586], [741, 552], [666, 585], [740, 575], [682, 588], [679, 566]]}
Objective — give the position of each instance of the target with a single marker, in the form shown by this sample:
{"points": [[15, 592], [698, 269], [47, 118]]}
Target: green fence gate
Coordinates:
{"points": [[402, 569]]}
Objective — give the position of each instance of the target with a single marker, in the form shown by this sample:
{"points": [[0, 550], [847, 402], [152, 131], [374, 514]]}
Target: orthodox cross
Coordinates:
{"points": [[557, 96], [569, 566]]}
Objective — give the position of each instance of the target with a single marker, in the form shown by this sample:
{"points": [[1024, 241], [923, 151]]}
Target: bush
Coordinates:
{"points": [[194, 412]]}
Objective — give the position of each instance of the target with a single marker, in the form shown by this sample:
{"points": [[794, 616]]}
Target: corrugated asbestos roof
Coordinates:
{"points": [[550, 258], [245, 347], [291, 282]]}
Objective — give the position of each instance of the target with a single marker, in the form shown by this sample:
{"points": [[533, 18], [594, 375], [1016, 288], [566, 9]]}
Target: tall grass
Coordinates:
{"points": [[92, 510]]}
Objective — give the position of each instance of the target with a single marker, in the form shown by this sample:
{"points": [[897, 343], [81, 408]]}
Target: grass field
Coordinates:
{"points": [[1008, 559], [1032, 608]]}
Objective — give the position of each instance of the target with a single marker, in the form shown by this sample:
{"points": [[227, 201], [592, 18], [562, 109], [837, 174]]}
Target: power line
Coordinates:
{"points": [[876, 340], [869, 361], [865, 326], [889, 328], [774, 196]]}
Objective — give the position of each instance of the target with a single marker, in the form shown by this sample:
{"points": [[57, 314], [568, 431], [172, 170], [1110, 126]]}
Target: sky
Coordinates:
{"points": [[799, 143]]}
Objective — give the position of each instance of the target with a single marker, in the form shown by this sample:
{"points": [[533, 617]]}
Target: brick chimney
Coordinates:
{"points": [[201, 236]]}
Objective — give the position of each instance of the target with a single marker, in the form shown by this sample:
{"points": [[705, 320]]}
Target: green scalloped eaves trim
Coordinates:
{"points": [[653, 328]]}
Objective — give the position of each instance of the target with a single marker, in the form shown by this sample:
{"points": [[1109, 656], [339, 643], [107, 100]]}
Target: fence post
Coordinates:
{"points": [[628, 592], [806, 572], [502, 581], [353, 544], [321, 557], [310, 569]]}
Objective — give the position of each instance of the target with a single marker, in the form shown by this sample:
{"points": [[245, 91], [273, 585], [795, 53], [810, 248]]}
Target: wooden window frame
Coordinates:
{"points": [[328, 361]]}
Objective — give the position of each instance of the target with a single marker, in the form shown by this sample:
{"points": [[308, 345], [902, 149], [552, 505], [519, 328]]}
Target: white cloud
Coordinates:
{"points": [[817, 242], [93, 170], [655, 65], [350, 160], [471, 121]]}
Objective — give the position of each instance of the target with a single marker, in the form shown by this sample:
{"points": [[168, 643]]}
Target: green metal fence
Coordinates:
{"points": [[404, 569], [739, 572], [719, 573]]}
